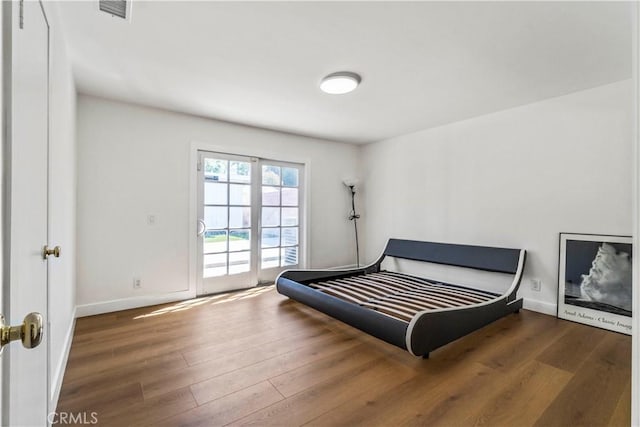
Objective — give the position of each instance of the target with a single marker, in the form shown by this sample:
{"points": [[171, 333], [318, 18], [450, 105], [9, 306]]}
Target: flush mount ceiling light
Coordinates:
{"points": [[340, 82]]}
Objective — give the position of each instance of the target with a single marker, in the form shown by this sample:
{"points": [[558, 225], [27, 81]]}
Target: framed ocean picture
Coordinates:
{"points": [[594, 280]]}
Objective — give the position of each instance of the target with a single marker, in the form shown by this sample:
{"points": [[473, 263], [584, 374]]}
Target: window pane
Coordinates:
{"points": [[289, 256], [271, 175], [289, 197], [215, 170], [289, 216], [270, 258], [290, 177], [270, 217], [215, 193], [289, 236], [215, 241], [240, 172], [215, 217], [270, 196], [215, 265], [239, 217], [239, 194], [239, 262], [239, 240], [270, 237]]}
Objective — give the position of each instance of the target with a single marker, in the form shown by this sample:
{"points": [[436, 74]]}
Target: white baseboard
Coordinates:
{"points": [[58, 377], [134, 302], [540, 306]]}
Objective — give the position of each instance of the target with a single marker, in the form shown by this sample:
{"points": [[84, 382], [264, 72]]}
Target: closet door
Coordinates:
{"points": [[25, 158]]}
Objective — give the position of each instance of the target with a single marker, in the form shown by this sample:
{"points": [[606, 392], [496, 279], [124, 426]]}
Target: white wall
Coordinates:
{"points": [[62, 203], [134, 161], [515, 178]]}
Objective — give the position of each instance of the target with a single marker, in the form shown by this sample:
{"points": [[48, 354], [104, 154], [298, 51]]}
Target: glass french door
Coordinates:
{"points": [[280, 223], [249, 220]]}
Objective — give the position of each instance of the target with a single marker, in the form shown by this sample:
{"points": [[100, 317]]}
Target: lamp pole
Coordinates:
{"points": [[353, 216]]}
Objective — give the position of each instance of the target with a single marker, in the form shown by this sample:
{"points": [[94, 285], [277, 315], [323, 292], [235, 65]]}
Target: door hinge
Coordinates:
{"points": [[199, 166], [21, 14]]}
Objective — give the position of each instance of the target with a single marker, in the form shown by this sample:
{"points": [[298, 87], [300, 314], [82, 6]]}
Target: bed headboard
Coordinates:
{"points": [[500, 260]]}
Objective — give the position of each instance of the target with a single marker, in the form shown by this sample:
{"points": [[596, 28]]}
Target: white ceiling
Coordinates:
{"points": [[422, 64]]}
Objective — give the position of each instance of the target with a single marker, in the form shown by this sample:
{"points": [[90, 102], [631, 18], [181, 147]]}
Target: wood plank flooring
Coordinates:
{"points": [[257, 358]]}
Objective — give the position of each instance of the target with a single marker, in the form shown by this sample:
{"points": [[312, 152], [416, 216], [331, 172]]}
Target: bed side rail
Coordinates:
{"points": [[430, 330], [377, 324], [499, 260]]}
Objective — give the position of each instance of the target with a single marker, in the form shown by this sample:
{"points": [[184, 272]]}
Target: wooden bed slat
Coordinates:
{"points": [[451, 295], [400, 296], [397, 314], [365, 294], [444, 290], [431, 283], [333, 292], [419, 303]]}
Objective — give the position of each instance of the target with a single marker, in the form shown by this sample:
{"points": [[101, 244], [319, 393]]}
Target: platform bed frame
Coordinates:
{"points": [[416, 314]]}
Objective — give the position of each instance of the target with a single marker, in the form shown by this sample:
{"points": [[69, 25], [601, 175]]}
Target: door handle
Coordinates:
{"points": [[46, 252], [202, 227], [30, 332]]}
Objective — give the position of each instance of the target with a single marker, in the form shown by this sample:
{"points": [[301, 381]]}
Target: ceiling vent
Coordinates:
{"points": [[119, 8]]}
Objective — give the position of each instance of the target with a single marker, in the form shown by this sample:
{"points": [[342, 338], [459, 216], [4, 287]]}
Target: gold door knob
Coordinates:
{"points": [[46, 252], [30, 332]]}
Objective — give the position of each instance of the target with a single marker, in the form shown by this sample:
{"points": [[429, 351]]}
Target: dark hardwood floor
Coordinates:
{"points": [[255, 357]]}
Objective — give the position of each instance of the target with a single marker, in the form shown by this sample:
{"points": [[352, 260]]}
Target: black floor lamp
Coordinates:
{"points": [[353, 216]]}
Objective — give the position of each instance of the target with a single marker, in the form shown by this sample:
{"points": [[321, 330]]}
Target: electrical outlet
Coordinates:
{"points": [[536, 285], [151, 219], [137, 283]]}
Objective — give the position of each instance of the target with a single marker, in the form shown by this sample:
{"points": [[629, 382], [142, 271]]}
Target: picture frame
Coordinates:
{"points": [[594, 280]]}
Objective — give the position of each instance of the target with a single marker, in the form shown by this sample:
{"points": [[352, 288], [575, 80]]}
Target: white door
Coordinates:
{"points": [[225, 216], [280, 221], [249, 220], [25, 162]]}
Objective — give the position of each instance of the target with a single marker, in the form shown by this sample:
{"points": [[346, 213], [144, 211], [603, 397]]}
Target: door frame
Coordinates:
{"points": [[247, 152]]}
